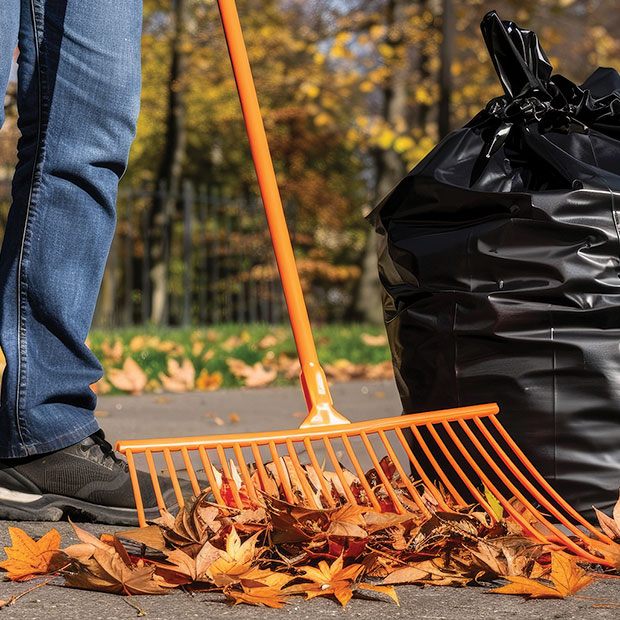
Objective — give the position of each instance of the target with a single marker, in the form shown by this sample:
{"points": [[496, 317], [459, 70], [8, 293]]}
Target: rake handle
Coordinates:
{"points": [[312, 377]]}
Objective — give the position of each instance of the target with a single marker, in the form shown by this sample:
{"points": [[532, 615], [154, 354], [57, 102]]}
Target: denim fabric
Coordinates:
{"points": [[78, 100]]}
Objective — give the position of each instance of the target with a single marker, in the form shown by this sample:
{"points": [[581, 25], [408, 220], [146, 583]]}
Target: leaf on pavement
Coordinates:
{"points": [[235, 561], [566, 575], [29, 558], [331, 579]]}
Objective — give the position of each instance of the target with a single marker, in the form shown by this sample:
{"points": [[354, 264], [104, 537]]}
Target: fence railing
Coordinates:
{"points": [[218, 255], [218, 260]]}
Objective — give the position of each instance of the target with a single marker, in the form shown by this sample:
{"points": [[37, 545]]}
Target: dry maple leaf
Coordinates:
{"points": [[263, 596], [374, 341], [335, 579], [29, 558], [180, 377], [131, 378], [112, 352], [235, 561], [609, 525], [254, 376], [106, 571], [567, 577], [208, 382]]}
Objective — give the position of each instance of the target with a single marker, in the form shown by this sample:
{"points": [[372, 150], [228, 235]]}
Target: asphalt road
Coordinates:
{"points": [[170, 415]]}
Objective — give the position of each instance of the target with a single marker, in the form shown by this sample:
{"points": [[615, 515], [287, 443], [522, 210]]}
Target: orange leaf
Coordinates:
{"points": [[208, 382], [180, 377], [527, 587], [29, 558], [567, 577], [131, 378], [254, 376]]}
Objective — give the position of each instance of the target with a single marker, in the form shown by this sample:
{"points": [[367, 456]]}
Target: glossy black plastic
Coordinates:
{"points": [[500, 265]]}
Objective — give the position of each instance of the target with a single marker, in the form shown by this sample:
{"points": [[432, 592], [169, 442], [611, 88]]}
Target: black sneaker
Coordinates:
{"points": [[86, 481]]}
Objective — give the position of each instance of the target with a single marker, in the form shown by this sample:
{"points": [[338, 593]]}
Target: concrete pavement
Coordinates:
{"points": [[169, 415]]}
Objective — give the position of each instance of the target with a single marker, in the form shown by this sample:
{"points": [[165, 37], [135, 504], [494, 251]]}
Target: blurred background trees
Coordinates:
{"points": [[354, 93]]}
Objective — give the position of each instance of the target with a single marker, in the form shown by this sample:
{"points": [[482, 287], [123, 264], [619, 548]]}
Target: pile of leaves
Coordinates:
{"points": [[264, 554]]}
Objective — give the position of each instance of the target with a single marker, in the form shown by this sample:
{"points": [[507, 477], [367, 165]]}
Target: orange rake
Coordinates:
{"points": [[477, 449]]}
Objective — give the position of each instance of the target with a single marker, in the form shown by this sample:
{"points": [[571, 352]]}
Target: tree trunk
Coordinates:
{"points": [[168, 179], [389, 165]]}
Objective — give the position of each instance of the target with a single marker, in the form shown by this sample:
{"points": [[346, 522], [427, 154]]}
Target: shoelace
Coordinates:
{"points": [[107, 449]]}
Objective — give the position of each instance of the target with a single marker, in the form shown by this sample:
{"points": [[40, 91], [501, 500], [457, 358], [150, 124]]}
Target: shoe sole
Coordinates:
{"points": [[16, 506]]}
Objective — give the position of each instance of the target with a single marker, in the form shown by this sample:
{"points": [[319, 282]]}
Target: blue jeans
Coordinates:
{"points": [[78, 101]]}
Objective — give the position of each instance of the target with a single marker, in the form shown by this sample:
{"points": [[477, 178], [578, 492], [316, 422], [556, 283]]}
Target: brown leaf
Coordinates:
{"points": [[263, 596], [29, 558], [608, 525], [112, 352], [254, 376], [106, 572], [331, 579], [567, 577], [180, 377], [235, 561], [131, 378], [374, 341]]}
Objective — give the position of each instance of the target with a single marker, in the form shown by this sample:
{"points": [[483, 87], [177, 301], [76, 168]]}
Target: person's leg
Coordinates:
{"points": [[78, 100], [9, 27]]}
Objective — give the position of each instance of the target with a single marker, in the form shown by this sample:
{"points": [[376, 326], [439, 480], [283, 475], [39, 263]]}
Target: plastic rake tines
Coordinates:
{"points": [[462, 450]]}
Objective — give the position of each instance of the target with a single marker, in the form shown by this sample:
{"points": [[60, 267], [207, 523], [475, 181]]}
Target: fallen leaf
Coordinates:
{"points": [[374, 341], [566, 575], [180, 377], [28, 558], [235, 561], [112, 352], [254, 376], [208, 382], [234, 418], [131, 378], [331, 579]]}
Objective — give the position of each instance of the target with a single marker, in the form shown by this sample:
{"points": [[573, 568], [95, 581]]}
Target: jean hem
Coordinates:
{"points": [[58, 443]]}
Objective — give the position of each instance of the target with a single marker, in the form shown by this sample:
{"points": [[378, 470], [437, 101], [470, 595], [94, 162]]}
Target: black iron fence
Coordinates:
{"points": [[218, 262]]}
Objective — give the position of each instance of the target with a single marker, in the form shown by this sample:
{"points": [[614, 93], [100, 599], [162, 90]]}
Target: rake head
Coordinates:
{"points": [[324, 466]]}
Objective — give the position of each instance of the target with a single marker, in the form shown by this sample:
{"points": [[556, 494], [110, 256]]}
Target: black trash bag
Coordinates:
{"points": [[499, 260]]}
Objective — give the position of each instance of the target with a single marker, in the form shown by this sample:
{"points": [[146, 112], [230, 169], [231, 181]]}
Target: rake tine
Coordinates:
{"points": [[457, 468], [318, 471], [403, 476], [173, 478], [429, 455], [535, 474], [228, 476], [338, 470], [567, 542], [281, 473], [245, 474], [301, 474], [360, 473], [260, 466], [420, 470], [206, 463], [153, 471], [190, 472], [133, 474], [387, 485], [528, 486]]}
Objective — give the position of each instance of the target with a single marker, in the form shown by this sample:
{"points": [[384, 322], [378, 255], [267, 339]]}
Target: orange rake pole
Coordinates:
{"points": [[324, 429]]}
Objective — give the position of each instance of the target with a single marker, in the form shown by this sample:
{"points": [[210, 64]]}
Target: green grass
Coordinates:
{"points": [[334, 342]]}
